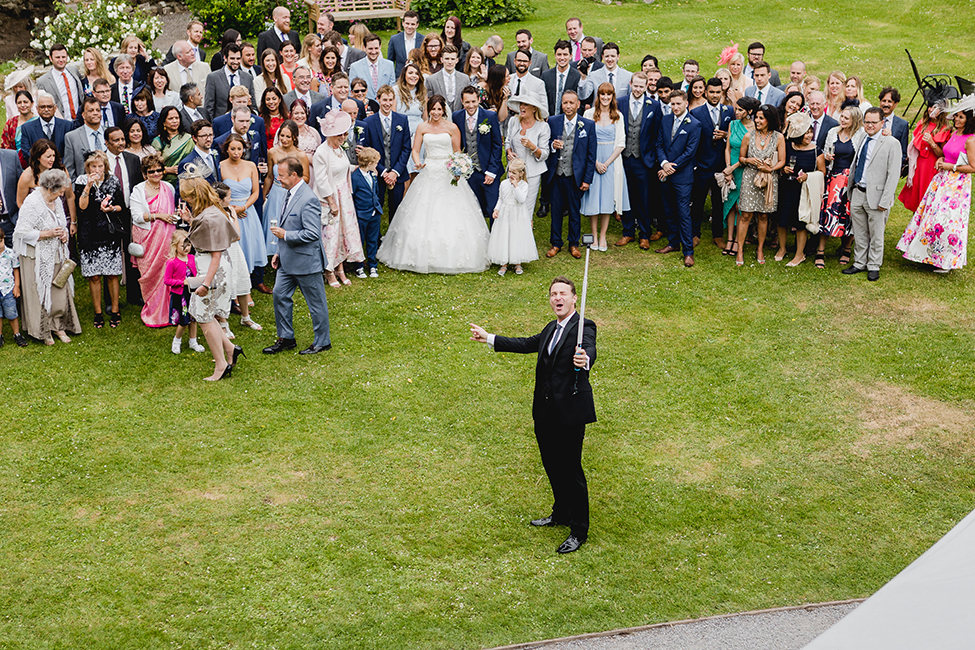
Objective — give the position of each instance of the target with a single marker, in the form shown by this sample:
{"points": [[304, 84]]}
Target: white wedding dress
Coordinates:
{"points": [[438, 227]]}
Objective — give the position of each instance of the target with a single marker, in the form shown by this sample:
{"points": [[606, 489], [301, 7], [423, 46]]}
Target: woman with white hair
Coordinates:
{"points": [[41, 242]]}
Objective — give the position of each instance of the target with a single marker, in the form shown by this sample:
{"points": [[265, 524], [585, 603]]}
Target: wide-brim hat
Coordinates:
{"points": [[335, 123], [797, 125], [532, 99], [17, 76]]}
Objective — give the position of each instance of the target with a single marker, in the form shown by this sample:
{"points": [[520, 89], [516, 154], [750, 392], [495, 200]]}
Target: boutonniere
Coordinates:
{"points": [[580, 126], [346, 145], [687, 120], [484, 128], [213, 152], [252, 133], [399, 127], [358, 131]]}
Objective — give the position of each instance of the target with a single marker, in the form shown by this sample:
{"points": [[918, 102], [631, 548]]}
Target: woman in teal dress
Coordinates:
{"points": [[172, 142], [744, 110]]}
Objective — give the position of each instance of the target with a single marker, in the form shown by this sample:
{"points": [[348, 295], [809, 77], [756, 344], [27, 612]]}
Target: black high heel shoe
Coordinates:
{"points": [[226, 372], [238, 352]]}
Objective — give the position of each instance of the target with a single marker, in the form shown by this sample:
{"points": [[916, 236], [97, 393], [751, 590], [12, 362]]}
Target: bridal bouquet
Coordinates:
{"points": [[459, 165]]}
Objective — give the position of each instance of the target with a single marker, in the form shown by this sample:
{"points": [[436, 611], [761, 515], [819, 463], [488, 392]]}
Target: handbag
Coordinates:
{"points": [[113, 227], [61, 277], [136, 250]]}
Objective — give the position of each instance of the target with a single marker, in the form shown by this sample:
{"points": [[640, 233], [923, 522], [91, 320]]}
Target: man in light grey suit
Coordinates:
{"points": [[302, 89], [762, 89], [611, 72], [90, 136], [448, 82], [216, 99], [300, 260], [62, 83], [186, 69], [877, 169], [539, 60]]}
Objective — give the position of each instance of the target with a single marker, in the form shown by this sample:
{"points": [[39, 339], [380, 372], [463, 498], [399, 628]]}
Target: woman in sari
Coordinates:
{"points": [[153, 208], [172, 142]]}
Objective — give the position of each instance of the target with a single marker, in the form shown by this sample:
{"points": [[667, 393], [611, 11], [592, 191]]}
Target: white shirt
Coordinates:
{"points": [[92, 144], [282, 37], [236, 80], [409, 42], [368, 177]]}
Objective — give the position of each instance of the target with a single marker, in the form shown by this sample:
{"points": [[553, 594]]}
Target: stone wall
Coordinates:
{"points": [[16, 21]]}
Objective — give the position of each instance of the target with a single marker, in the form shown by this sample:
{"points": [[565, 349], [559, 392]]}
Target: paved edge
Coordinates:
{"points": [[643, 628]]}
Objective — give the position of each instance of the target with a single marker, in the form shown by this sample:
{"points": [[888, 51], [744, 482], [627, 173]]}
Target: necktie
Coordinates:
{"points": [[862, 161], [815, 130], [578, 51], [232, 79], [105, 116], [2, 210], [518, 88], [48, 128], [673, 132], [67, 87], [118, 169], [555, 338], [558, 95], [284, 37], [375, 75], [98, 140], [470, 122], [760, 96], [284, 208], [611, 78], [386, 123], [125, 98], [186, 75], [715, 116]]}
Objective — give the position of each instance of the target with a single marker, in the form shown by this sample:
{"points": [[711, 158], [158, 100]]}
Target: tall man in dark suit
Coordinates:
{"points": [[402, 43], [571, 166], [562, 406], [715, 119], [389, 134], [480, 138], [193, 110], [894, 125], [300, 261], [9, 175], [539, 60], [216, 99], [677, 142], [279, 32], [821, 122], [641, 116], [126, 87], [46, 126], [127, 168]]}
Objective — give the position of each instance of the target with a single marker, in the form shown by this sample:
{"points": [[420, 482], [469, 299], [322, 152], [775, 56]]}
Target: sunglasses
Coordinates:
{"points": [[358, 90], [155, 171]]}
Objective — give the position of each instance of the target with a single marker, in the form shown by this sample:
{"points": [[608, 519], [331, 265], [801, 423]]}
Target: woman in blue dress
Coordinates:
{"points": [[607, 193]]}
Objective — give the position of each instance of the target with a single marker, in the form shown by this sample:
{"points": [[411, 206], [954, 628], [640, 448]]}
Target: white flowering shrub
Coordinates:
{"points": [[99, 23]]}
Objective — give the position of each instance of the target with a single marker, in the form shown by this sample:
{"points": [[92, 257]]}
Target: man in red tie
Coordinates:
{"points": [[573, 29], [62, 83]]}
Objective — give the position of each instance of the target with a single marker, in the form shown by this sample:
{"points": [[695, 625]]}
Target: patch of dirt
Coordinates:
{"points": [[894, 416]]}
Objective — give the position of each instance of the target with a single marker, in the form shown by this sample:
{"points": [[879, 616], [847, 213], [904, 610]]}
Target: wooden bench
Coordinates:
{"points": [[357, 10]]}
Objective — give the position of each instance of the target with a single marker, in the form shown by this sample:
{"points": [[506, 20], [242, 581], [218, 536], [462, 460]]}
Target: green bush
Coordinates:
{"points": [[101, 24], [472, 13]]}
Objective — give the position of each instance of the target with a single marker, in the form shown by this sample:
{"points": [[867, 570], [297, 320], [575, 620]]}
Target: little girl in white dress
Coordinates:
{"points": [[512, 240]]}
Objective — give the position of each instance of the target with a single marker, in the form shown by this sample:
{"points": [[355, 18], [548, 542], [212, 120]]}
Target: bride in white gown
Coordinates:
{"points": [[439, 227]]}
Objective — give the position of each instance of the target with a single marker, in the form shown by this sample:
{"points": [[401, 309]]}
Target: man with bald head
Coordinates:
{"points": [[821, 122], [279, 32]]}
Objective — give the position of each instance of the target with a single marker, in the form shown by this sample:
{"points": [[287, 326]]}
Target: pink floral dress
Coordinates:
{"points": [[938, 232], [340, 232]]}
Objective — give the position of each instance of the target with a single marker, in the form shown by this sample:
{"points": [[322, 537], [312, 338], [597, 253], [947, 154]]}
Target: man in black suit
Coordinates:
{"points": [[894, 125], [562, 405], [715, 119], [9, 175], [193, 110], [127, 168], [821, 122], [340, 93], [279, 32], [126, 86], [46, 126]]}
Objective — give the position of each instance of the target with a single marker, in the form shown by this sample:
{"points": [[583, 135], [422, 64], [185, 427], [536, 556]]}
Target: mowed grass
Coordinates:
{"points": [[767, 436]]}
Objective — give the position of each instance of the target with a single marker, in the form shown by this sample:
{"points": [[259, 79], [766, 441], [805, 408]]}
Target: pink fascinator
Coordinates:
{"points": [[727, 53]]}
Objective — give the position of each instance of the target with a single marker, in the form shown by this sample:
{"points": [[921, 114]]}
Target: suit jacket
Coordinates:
{"points": [[583, 149], [292, 95], [489, 145], [366, 196], [901, 131], [648, 127], [33, 131], [216, 97], [222, 124], [773, 95], [562, 393], [10, 171], [621, 79], [436, 84], [399, 143], [118, 115], [302, 252], [396, 50], [825, 125], [117, 94], [599, 46], [213, 163], [76, 147], [269, 39], [46, 83], [882, 172], [710, 152], [199, 71], [353, 54], [538, 65], [362, 69], [258, 142], [187, 121], [318, 110], [680, 150], [170, 57], [551, 79]]}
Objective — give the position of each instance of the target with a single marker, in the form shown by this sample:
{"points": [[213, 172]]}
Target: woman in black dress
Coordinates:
{"points": [[800, 155]]}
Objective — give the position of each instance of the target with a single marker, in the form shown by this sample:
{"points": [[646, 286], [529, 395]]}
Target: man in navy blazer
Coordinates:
{"points": [[715, 119], [639, 158], [202, 156], [300, 261], [400, 44], [113, 114], [391, 170], [245, 126], [571, 166], [9, 175], [224, 123], [894, 125], [340, 93], [486, 179], [677, 141], [821, 122], [45, 124]]}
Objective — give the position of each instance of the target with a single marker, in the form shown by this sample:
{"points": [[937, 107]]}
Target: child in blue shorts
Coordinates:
{"points": [[9, 291]]}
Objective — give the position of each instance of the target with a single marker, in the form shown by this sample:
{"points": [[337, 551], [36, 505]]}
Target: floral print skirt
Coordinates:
{"points": [[938, 232]]}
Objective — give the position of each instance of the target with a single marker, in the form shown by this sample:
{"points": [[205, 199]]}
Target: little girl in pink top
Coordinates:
{"points": [[181, 266]]}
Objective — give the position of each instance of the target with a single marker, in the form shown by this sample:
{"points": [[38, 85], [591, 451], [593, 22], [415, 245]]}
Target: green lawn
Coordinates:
{"points": [[767, 436]]}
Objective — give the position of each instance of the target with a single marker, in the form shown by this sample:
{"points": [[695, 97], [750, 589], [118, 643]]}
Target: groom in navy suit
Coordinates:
{"points": [[639, 157], [677, 142], [715, 122], [391, 170], [475, 122], [571, 166]]}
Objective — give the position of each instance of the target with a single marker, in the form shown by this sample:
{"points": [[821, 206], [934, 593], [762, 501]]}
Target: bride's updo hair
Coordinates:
{"points": [[437, 99]]}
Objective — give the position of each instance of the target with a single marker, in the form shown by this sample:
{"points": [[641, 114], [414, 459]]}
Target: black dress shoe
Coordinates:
{"points": [[852, 270], [281, 345], [571, 543], [545, 521], [542, 210], [315, 349], [873, 276]]}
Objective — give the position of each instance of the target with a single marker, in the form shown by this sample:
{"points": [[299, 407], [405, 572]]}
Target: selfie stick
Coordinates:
{"points": [[587, 240]]}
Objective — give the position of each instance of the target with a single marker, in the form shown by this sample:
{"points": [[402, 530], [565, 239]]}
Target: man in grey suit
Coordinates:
{"points": [[302, 89], [62, 83], [539, 60], [611, 72], [877, 169], [300, 261], [448, 82], [216, 100], [893, 125], [90, 136], [762, 90]]}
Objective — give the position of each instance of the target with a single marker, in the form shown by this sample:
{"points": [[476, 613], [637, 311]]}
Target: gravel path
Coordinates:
{"points": [[174, 28], [779, 629]]}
